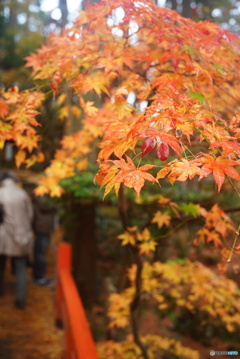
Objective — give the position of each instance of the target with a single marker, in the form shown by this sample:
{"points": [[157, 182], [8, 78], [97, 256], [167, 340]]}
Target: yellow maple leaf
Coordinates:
{"points": [[161, 219], [63, 113], [163, 306], [76, 111], [34, 158], [163, 172], [230, 327], [96, 81], [56, 191], [144, 235], [61, 99], [20, 157], [163, 200], [41, 190], [184, 169], [82, 164], [89, 109], [127, 238], [147, 246], [110, 180]]}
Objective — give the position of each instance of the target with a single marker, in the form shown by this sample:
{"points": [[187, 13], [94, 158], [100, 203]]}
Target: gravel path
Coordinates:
{"points": [[30, 333]]}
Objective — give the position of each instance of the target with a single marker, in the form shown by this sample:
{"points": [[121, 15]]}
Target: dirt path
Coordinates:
{"points": [[30, 333]]}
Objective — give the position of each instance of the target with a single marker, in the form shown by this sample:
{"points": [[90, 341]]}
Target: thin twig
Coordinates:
{"points": [[234, 244], [233, 186]]}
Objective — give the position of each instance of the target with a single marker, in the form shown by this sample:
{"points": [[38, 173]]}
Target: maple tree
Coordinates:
{"points": [[188, 78], [169, 89]]}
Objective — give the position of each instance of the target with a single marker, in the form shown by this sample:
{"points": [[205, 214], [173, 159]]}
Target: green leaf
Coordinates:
{"points": [[220, 68], [190, 209], [189, 49], [198, 96]]}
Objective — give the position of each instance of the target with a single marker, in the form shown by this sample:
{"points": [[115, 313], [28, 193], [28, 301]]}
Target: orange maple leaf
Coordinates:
{"points": [[132, 176], [219, 167], [34, 61], [3, 108], [228, 146]]}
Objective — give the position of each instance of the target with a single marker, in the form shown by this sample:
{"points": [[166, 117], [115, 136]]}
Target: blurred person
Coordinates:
{"points": [[43, 225], [16, 236]]}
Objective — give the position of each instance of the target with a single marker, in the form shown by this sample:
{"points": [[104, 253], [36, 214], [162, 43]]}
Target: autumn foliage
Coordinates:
{"points": [[169, 90], [186, 71], [171, 286]]}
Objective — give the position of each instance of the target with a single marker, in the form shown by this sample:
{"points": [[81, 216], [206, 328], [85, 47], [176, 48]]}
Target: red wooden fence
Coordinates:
{"points": [[70, 311]]}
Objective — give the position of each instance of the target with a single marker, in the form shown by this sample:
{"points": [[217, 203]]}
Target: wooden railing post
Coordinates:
{"points": [[64, 262], [64, 258], [70, 310]]}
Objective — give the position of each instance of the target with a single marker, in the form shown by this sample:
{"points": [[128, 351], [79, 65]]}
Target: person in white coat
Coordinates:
{"points": [[16, 236]]}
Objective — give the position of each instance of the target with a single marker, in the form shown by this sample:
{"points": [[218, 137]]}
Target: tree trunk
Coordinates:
{"points": [[64, 10], [82, 237], [13, 15], [186, 8], [174, 4], [207, 9]]}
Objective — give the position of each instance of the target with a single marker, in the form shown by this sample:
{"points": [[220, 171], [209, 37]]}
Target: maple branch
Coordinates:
{"points": [[234, 244], [233, 186], [122, 207], [183, 220], [231, 210], [179, 225], [127, 37], [224, 91]]}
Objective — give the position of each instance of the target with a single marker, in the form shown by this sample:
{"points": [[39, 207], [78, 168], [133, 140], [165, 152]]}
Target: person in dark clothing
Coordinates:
{"points": [[43, 225]]}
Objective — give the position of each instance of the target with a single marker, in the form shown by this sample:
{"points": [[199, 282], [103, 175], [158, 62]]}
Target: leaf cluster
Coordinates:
{"points": [[173, 288]]}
